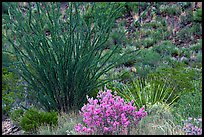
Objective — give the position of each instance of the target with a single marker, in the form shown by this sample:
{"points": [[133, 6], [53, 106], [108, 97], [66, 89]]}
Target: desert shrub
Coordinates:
{"points": [[65, 126], [147, 61], [159, 121], [178, 76], [196, 47], [17, 115], [198, 16], [108, 114], [188, 105], [60, 68], [12, 91], [145, 92], [166, 48], [186, 18], [172, 10], [185, 34], [33, 119], [196, 29]]}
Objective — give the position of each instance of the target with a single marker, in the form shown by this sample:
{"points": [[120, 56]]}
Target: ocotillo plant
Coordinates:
{"points": [[61, 53]]}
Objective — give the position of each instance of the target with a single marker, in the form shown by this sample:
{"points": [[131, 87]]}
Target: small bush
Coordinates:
{"points": [[17, 115], [12, 90], [32, 119], [188, 105], [144, 92], [108, 114], [178, 76], [198, 15], [66, 123], [158, 122], [167, 48]]}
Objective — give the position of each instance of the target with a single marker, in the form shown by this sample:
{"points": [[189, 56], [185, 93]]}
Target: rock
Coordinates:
{"points": [[8, 128]]}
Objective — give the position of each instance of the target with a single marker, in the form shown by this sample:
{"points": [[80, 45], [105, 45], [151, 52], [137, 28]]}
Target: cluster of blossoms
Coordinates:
{"points": [[193, 126], [108, 114]]}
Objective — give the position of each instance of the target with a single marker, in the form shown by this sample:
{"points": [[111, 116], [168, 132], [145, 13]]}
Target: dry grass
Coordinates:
{"points": [[66, 123], [159, 121]]}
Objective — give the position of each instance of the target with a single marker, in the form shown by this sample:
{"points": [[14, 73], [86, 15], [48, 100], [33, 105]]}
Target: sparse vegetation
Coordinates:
{"points": [[54, 54]]}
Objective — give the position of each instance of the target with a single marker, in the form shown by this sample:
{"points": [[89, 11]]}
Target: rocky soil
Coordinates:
{"points": [[8, 128]]}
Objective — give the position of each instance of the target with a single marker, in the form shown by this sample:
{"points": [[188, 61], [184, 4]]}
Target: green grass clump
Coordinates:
{"points": [[33, 119], [188, 105], [65, 126], [159, 121]]}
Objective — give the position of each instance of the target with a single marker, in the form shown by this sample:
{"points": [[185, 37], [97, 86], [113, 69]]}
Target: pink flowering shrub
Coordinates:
{"points": [[108, 115]]}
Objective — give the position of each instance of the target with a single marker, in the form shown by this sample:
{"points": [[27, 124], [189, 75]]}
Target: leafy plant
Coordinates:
{"points": [[64, 65], [186, 18], [108, 114], [145, 92], [11, 91], [166, 48], [196, 47], [188, 105], [147, 61], [198, 16], [178, 76], [16, 115], [159, 121], [33, 119], [170, 10], [65, 126]]}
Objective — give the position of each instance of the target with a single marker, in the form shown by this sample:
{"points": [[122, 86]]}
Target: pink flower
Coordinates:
{"points": [[200, 119], [78, 127], [108, 113], [106, 129]]}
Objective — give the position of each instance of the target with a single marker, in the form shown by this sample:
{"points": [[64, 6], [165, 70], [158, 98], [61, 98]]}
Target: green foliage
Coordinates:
{"points": [[32, 119], [172, 10], [196, 29], [196, 47], [144, 92], [148, 42], [199, 56], [5, 6], [17, 115], [11, 90], [185, 34], [159, 121], [62, 67], [198, 16], [147, 61], [166, 48], [186, 18], [179, 76], [66, 123], [184, 5], [188, 105]]}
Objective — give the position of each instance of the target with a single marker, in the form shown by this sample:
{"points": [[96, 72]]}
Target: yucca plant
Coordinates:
{"points": [[145, 93], [60, 53]]}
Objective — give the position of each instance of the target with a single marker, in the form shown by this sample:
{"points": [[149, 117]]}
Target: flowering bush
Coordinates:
{"points": [[108, 114], [193, 126]]}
